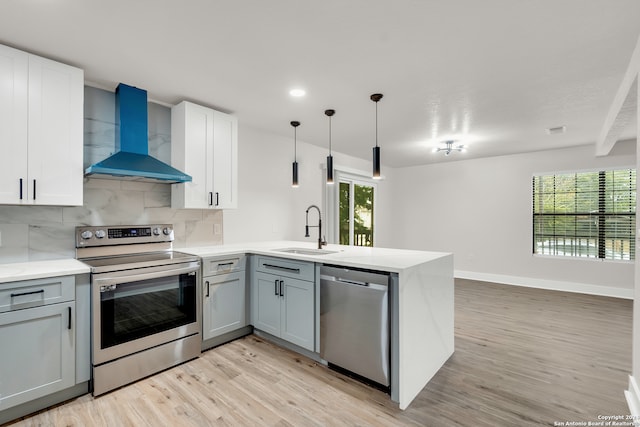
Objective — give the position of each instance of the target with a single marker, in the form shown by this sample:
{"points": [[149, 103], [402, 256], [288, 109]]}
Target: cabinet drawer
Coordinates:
{"points": [[223, 265], [287, 268], [34, 293]]}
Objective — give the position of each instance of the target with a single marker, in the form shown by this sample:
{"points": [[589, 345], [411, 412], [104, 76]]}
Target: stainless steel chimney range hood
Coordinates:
{"points": [[132, 161]]}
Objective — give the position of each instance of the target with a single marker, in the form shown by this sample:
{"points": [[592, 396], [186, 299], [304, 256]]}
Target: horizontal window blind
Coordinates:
{"points": [[585, 214]]}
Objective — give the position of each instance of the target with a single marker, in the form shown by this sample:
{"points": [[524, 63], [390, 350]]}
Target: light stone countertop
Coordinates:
{"points": [[41, 269], [384, 259]]}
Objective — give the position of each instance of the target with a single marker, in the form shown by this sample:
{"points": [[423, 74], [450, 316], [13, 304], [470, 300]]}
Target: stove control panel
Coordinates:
{"points": [[123, 235], [120, 233]]}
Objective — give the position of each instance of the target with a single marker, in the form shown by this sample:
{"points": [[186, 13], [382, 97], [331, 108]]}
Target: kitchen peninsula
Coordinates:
{"points": [[421, 307], [421, 301]]}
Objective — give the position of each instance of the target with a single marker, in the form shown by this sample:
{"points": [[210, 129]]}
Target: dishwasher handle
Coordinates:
{"points": [[338, 281], [352, 282]]}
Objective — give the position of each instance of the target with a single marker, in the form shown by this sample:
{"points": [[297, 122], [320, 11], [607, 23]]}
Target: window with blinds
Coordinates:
{"points": [[585, 214]]}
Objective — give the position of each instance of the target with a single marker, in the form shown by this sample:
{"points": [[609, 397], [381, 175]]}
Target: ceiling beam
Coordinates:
{"points": [[623, 108]]}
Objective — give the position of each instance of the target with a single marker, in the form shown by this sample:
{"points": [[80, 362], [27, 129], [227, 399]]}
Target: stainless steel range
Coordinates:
{"points": [[144, 302]]}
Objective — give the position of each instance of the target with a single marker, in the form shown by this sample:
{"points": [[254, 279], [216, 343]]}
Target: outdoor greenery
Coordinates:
{"points": [[587, 214], [362, 214]]}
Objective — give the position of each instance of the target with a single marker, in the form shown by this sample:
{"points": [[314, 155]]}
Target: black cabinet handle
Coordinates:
{"points": [[217, 198], [224, 264], [69, 308], [41, 291], [207, 284], [20, 188], [275, 282], [279, 267], [210, 198], [281, 288], [34, 189]]}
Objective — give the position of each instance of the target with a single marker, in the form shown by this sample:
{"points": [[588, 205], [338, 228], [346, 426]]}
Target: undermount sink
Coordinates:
{"points": [[306, 251]]}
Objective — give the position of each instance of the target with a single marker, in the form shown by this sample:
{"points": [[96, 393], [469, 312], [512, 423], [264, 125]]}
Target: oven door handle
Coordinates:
{"points": [[144, 276]]}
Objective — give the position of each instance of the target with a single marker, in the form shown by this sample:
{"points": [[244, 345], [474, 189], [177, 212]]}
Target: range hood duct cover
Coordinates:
{"points": [[132, 161]]}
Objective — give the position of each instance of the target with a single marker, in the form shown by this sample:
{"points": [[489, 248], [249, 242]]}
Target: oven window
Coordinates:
{"points": [[139, 309]]}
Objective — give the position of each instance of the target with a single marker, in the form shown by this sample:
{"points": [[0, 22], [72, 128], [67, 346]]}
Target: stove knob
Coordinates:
{"points": [[156, 231], [167, 231], [100, 234], [86, 234]]}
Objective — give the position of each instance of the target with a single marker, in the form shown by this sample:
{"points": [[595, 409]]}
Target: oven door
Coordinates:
{"points": [[134, 310]]}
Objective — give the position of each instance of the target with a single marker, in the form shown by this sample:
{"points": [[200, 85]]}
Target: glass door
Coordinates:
{"points": [[134, 310], [138, 309], [356, 212]]}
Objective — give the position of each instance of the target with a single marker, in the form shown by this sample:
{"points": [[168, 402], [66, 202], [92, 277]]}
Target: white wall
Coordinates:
{"points": [[481, 211], [269, 208]]}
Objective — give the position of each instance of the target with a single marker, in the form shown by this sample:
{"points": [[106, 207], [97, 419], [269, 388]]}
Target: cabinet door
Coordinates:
{"points": [[224, 304], [225, 161], [37, 352], [192, 152], [56, 99], [14, 71], [298, 313], [267, 304]]}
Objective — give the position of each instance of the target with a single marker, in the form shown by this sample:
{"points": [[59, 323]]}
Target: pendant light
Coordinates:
{"points": [[376, 150], [329, 113], [294, 181]]}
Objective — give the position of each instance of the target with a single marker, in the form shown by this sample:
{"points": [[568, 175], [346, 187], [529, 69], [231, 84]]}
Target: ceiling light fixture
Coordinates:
{"points": [[449, 148], [297, 93], [294, 181], [376, 150], [329, 113]]}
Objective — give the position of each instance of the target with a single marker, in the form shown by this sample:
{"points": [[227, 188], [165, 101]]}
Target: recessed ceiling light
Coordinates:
{"points": [[297, 93], [556, 130]]}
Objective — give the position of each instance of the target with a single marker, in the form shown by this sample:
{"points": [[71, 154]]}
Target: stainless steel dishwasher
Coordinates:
{"points": [[354, 321]]}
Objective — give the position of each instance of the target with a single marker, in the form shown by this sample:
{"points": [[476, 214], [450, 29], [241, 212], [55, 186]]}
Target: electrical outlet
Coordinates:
{"points": [[217, 229]]}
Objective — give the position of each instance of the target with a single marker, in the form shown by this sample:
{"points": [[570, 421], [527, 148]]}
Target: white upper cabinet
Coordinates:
{"points": [[204, 144], [14, 76], [56, 100], [41, 130], [191, 152], [225, 160]]}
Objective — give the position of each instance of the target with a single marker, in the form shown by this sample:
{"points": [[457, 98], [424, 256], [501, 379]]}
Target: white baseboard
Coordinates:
{"points": [[633, 397], [556, 285]]}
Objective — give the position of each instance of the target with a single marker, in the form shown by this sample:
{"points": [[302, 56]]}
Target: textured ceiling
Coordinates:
{"points": [[493, 74]]}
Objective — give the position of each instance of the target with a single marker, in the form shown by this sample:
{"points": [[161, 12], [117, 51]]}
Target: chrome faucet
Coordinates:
{"points": [[321, 241]]}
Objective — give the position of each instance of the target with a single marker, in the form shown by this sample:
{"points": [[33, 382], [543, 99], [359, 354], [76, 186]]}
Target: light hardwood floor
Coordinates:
{"points": [[524, 357]]}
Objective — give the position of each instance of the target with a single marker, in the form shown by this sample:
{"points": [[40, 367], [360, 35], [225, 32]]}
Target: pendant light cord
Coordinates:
{"points": [[295, 144], [329, 135], [376, 124]]}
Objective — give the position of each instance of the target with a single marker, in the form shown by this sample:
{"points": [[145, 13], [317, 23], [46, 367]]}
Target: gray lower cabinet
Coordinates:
{"points": [[283, 305], [224, 299], [40, 339], [224, 304], [38, 352]]}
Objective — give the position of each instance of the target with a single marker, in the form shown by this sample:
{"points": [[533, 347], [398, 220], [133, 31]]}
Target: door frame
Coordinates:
{"points": [[332, 202]]}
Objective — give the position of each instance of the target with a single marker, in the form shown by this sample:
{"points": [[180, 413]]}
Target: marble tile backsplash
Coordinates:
{"points": [[30, 233]]}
